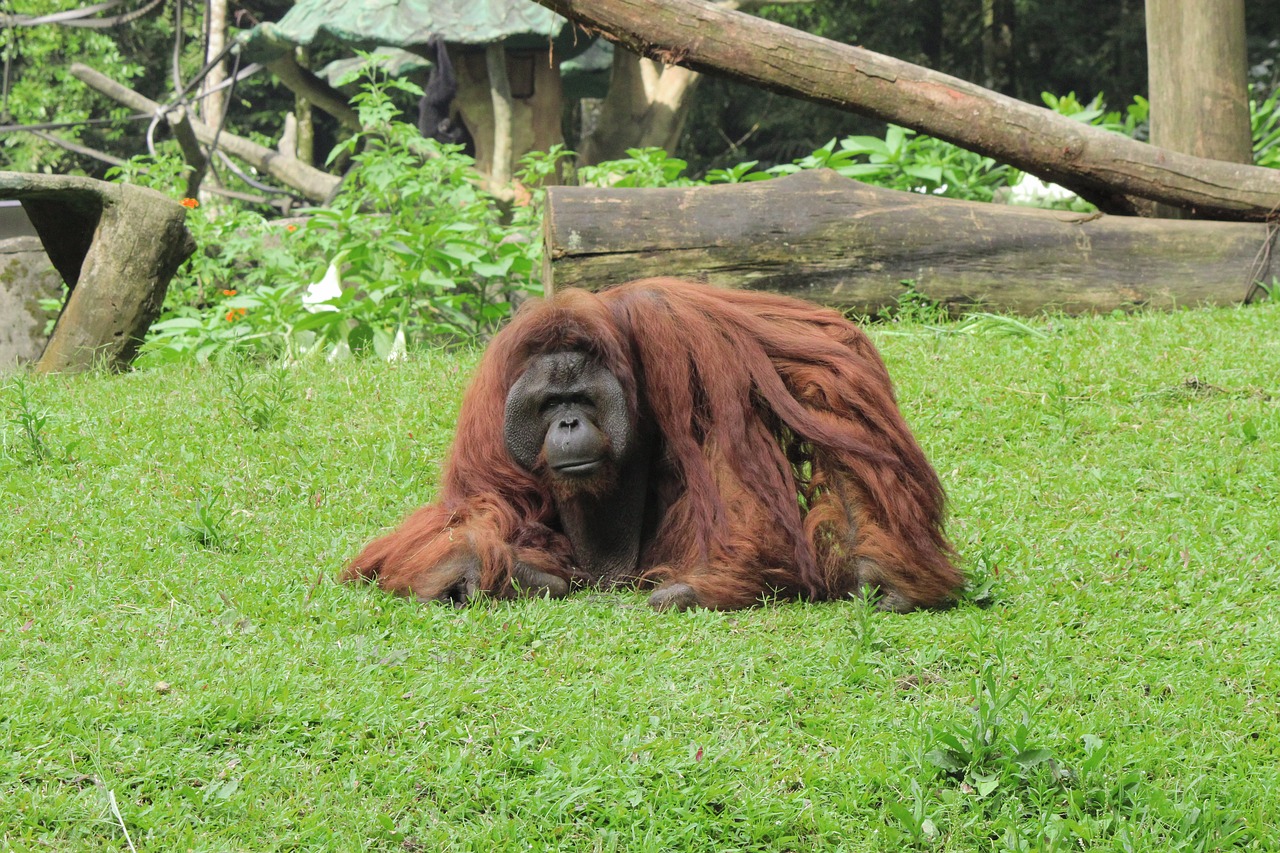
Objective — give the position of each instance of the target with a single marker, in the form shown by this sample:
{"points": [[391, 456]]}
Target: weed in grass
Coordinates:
{"points": [[915, 816], [208, 525], [987, 752], [863, 620], [980, 578], [913, 306], [262, 401], [32, 422]]}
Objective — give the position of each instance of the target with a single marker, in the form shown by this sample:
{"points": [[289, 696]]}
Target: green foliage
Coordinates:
{"points": [[411, 252], [643, 167], [906, 160], [1265, 115], [139, 54], [1133, 121], [39, 59]]}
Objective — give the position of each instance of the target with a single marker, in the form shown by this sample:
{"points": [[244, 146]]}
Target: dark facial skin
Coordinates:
{"points": [[568, 412], [566, 420]]}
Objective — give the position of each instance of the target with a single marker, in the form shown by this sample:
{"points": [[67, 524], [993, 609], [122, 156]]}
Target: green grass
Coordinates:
{"points": [[172, 639]]}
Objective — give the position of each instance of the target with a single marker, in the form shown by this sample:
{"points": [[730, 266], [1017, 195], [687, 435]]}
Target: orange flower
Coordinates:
{"points": [[228, 293], [235, 313], [291, 228], [189, 203]]}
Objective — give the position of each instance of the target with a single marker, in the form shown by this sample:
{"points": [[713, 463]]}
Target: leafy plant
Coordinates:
{"points": [[260, 402], [989, 749], [913, 306], [644, 167], [32, 422], [208, 524], [905, 160], [1134, 121], [1265, 126], [415, 251]]}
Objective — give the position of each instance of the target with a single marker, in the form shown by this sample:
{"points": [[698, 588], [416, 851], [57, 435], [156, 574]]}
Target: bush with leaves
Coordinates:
{"points": [[412, 250]]}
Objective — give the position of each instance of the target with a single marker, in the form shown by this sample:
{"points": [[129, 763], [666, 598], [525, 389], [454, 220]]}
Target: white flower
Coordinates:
{"points": [[1031, 190], [320, 292], [399, 349]]}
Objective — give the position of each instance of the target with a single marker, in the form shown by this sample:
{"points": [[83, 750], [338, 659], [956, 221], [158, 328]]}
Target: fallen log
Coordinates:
{"points": [[1106, 168], [851, 245]]}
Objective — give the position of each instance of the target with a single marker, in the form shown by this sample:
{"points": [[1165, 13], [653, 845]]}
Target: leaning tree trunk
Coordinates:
{"points": [[1106, 168], [116, 246], [645, 107]]}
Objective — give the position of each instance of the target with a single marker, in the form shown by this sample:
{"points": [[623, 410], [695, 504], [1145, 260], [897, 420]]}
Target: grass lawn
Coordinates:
{"points": [[178, 664]]}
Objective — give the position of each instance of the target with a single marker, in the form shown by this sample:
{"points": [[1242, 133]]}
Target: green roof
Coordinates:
{"points": [[408, 23], [390, 26]]}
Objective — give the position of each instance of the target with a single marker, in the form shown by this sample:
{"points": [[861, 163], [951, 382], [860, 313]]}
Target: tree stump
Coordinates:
{"points": [[116, 246]]}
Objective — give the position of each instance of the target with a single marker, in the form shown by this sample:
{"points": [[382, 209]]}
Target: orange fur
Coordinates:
{"points": [[784, 465]]}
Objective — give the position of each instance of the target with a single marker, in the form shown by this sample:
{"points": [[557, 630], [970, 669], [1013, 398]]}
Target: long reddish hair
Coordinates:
{"points": [[788, 401]]}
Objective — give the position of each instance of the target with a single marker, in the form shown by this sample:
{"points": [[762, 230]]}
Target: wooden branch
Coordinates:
{"points": [[192, 153], [1105, 167], [305, 84], [851, 245], [316, 185], [77, 148]]}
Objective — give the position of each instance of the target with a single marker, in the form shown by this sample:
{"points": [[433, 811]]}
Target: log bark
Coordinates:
{"points": [[851, 245], [316, 185], [116, 246], [1106, 168]]}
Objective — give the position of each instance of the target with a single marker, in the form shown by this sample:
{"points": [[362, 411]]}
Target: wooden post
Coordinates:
{"points": [[495, 58], [1197, 70]]}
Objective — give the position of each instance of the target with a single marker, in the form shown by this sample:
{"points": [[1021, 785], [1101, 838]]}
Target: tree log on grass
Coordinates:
{"points": [[851, 245], [1106, 168]]}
